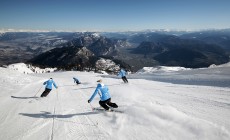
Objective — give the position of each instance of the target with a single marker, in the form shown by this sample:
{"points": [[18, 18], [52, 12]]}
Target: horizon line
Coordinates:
{"points": [[150, 30]]}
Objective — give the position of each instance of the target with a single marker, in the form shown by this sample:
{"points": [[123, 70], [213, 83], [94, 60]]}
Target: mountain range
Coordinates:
{"points": [[131, 50]]}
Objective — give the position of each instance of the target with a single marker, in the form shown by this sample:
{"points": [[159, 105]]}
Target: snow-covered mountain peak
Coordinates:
{"points": [[160, 69], [28, 69]]}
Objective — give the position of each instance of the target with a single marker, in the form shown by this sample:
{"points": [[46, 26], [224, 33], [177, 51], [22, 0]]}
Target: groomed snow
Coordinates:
{"points": [[153, 110]]}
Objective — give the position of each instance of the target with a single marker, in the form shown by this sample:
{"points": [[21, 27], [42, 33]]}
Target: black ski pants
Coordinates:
{"points": [[124, 79], [107, 103], [46, 92]]}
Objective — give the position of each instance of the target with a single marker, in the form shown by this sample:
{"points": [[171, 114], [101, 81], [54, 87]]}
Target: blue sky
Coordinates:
{"points": [[114, 15]]}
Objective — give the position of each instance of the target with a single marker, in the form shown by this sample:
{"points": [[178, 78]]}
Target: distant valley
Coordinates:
{"points": [[131, 50]]}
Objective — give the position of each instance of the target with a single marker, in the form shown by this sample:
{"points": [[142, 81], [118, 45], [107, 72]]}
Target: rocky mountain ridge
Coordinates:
{"points": [[132, 49]]}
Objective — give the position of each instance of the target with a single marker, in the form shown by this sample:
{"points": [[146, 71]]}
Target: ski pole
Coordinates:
{"points": [[91, 106], [57, 93], [95, 124], [38, 90]]}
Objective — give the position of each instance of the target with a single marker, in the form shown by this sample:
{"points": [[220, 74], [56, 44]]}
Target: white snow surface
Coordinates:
{"points": [[153, 110], [161, 69], [28, 69]]}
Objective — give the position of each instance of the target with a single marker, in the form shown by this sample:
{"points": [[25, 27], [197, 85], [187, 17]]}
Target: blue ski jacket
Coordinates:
{"points": [[75, 80], [49, 84], [103, 92], [121, 73]]}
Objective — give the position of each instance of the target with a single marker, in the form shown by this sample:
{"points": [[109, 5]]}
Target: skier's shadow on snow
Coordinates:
{"points": [[85, 88], [33, 97], [47, 115]]}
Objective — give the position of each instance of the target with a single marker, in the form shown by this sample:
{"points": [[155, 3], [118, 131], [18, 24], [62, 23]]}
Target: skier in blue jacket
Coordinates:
{"points": [[76, 80], [105, 98], [48, 88], [122, 74]]}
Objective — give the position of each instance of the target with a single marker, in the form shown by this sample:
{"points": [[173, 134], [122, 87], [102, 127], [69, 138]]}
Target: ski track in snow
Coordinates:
{"points": [[153, 110]]}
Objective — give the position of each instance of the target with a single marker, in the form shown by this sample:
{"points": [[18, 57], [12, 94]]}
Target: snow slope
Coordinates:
{"points": [[153, 110], [213, 76]]}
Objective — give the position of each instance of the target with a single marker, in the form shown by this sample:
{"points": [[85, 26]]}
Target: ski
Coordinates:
{"points": [[111, 110]]}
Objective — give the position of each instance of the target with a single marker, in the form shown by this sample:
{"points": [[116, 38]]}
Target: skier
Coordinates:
{"points": [[76, 80], [122, 74], [48, 88], [105, 98]]}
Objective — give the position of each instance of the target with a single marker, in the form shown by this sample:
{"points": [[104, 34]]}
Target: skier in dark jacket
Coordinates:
{"points": [[48, 88], [122, 74], [76, 80], [105, 98]]}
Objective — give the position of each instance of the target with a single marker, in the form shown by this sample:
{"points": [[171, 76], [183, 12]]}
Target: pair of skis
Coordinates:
{"points": [[110, 110]]}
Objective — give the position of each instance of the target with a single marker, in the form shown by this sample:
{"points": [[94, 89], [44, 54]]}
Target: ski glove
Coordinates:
{"points": [[88, 101]]}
